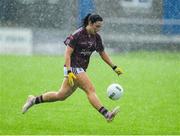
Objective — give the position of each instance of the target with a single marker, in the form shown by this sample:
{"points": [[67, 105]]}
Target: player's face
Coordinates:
{"points": [[97, 26]]}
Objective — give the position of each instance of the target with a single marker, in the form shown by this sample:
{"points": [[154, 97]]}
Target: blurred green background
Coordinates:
{"points": [[150, 104]]}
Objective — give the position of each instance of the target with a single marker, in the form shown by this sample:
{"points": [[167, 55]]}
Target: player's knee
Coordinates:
{"points": [[61, 97], [91, 90]]}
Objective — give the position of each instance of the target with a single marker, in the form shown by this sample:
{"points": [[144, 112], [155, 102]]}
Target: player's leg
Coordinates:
{"points": [[65, 91], [85, 84]]}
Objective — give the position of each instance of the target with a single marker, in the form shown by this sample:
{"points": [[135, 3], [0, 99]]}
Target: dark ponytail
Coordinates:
{"points": [[91, 17], [86, 20]]}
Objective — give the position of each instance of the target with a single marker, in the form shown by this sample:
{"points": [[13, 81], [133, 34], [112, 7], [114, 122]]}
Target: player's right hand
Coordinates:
{"points": [[71, 78]]}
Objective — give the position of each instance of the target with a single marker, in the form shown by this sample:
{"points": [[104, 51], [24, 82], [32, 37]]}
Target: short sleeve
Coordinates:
{"points": [[71, 41], [99, 44]]}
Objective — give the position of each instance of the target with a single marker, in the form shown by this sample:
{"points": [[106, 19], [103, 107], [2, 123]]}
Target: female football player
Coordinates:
{"points": [[79, 47]]}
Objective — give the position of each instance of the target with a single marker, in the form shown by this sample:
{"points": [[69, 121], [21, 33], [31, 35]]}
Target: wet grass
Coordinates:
{"points": [[150, 104]]}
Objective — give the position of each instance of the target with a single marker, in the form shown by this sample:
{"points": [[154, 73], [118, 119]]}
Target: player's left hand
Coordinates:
{"points": [[118, 70]]}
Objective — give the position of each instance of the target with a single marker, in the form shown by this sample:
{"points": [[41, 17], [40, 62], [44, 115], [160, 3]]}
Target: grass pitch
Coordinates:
{"points": [[150, 105]]}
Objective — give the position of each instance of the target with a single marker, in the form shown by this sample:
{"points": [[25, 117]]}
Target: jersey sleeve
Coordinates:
{"points": [[70, 41], [99, 44]]}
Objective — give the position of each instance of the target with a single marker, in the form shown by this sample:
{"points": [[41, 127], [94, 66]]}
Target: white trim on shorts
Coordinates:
{"points": [[74, 70]]}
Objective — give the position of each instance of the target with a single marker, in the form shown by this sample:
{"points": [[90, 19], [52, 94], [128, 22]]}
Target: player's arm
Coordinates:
{"points": [[108, 61], [106, 58], [68, 53]]}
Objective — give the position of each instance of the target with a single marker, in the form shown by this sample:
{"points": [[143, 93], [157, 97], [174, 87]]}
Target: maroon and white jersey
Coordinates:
{"points": [[84, 45]]}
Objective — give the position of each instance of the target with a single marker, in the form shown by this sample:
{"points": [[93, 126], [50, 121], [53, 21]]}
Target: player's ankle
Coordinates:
{"points": [[103, 111], [38, 100]]}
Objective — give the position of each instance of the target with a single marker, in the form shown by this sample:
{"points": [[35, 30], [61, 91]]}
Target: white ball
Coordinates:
{"points": [[114, 91]]}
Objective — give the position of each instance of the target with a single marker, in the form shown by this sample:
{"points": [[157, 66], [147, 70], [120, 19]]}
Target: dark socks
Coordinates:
{"points": [[38, 99], [103, 111]]}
